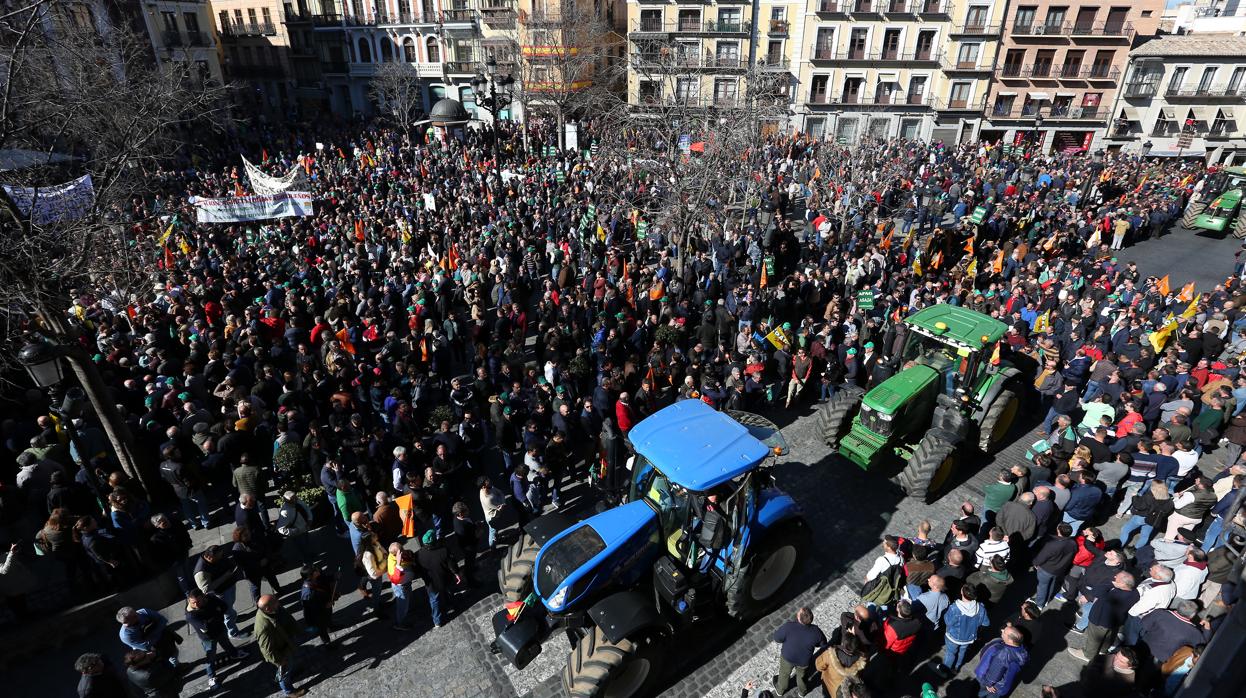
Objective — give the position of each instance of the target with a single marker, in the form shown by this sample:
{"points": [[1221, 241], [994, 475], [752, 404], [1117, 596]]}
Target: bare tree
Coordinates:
{"points": [[82, 90], [565, 65], [396, 89], [701, 154]]}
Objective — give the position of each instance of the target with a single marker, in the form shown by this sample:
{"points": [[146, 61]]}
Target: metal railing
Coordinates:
{"points": [[460, 67], [931, 7], [776, 63], [691, 26], [458, 15], [976, 30], [248, 29], [832, 7], [894, 99], [1206, 93], [778, 26], [965, 66], [1075, 29], [171, 38], [1054, 112], [1140, 89], [826, 53]]}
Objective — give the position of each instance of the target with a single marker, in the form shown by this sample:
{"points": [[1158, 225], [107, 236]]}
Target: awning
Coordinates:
{"points": [[1225, 113], [1066, 94], [1038, 95], [1166, 114], [1191, 152], [1005, 94], [1197, 113], [1128, 114]]}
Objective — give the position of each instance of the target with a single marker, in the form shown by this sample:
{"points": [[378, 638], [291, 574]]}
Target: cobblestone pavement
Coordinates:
{"points": [[848, 509]]}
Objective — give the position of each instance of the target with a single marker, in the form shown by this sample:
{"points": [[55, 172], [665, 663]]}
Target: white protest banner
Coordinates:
{"points": [[64, 202], [262, 183], [253, 208], [430, 202]]}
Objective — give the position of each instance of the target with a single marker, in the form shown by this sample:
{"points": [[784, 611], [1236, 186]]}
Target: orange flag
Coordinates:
{"points": [[347, 345], [1163, 286], [998, 265], [938, 259], [1187, 293], [969, 245], [359, 230], [764, 278], [886, 243], [264, 156]]}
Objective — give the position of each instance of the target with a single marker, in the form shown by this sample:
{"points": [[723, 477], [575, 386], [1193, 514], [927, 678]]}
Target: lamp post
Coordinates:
{"points": [[493, 92], [1038, 130], [43, 362]]}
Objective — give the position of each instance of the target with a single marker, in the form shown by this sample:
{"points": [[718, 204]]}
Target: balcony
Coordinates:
{"points": [[327, 20], [832, 7], [460, 67], [498, 15], [457, 16], [1103, 30], [958, 105], [401, 18], [256, 71], [899, 7], [1040, 29], [829, 55], [196, 38], [895, 99], [1090, 72], [300, 17], [672, 63], [950, 66], [1140, 90], [1206, 93], [778, 27], [691, 26], [774, 64], [976, 30], [932, 8], [171, 38], [867, 7], [1031, 112], [249, 29]]}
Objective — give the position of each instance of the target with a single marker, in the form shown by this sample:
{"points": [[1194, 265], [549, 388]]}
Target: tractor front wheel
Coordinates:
{"points": [[515, 574], [1191, 213], [835, 418], [766, 570], [998, 421], [598, 668], [1239, 226], [928, 471]]}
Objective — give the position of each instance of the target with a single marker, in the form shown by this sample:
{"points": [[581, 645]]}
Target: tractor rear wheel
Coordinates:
{"points": [[835, 418], [998, 421], [1239, 226], [766, 570], [1191, 212], [515, 574], [933, 462], [598, 668]]}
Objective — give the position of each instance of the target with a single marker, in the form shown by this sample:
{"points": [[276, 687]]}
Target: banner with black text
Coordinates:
{"points": [[253, 208]]}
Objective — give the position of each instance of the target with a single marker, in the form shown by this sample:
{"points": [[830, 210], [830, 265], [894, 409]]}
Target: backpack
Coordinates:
{"points": [[884, 589]]}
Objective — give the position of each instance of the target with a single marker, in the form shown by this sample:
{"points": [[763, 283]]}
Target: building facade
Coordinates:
{"points": [[256, 55], [1183, 96], [1058, 70], [182, 32]]}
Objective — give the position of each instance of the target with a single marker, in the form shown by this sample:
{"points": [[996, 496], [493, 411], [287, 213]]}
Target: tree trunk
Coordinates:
{"points": [[105, 410]]}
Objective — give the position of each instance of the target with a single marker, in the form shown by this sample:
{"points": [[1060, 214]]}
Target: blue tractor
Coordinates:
{"points": [[703, 532]]}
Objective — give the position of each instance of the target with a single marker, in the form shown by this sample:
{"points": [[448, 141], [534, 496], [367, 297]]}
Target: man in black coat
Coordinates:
{"points": [[439, 576], [1053, 562]]}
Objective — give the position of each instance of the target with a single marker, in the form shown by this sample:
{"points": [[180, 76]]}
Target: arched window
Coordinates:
{"points": [[408, 50], [434, 50], [365, 51], [387, 50]]}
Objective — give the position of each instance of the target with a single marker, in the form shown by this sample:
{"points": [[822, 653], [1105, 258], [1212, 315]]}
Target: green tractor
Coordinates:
{"points": [[1219, 204], [948, 400]]}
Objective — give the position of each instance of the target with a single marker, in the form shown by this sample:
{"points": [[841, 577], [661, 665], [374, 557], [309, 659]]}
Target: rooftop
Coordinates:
{"points": [[695, 446], [1205, 45]]}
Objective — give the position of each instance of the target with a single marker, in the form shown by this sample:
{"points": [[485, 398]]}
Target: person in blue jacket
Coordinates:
{"points": [[962, 620], [1002, 659]]}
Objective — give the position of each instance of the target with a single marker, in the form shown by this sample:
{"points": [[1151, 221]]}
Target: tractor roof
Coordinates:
{"points": [[958, 325], [696, 447]]}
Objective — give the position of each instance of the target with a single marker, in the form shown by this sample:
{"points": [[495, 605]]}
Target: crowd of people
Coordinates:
{"points": [[440, 352]]}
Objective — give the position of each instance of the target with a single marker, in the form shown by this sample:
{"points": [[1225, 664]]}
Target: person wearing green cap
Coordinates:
{"points": [[439, 576]]}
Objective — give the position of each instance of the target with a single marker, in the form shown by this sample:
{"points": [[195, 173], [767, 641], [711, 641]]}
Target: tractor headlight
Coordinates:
{"points": [[558, 599], [885, 417]]}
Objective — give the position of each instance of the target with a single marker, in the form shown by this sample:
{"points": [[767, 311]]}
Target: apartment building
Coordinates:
{"points": [[255, 52], [706, 55], [439, 37], [1058, 69], [1183, 96], [181, 32]]}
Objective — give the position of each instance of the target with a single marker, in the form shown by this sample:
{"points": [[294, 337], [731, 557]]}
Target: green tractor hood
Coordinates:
{"points": [[863, 443], [1218, 215]]}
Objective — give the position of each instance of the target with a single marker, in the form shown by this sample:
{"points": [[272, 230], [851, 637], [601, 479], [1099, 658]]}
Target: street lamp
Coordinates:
{"points": [[1146, 147], [493, 92], [43, 362], [1036, 141]]}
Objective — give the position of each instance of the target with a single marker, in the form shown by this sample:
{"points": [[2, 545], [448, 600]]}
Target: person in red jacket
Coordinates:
{"points": [[623, 414], [1089, 548], [896, 637]]}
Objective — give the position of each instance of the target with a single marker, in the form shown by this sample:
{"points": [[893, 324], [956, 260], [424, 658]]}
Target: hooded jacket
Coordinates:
{"points": [[963, 619], [1000, 665]]}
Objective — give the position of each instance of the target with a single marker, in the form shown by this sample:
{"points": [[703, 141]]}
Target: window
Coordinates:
{"points": [[268, 20], [891, 45], [879, 127], [1092, 100], [908, 129], [1056, 17], [1102, 67], [925, 45], [1204, 83], [1012, 63], [959, 96], [1004, 105], [727, 54], [917, 89], [1235, 81], [976, 17], [886, 92], [776, 14], [846, 130], [1072, 63], [191, 20], [434, 50], [238, 18], [857, 42], [687, 90], [1042, 63], [170, 21], [408, 50], [1085, 20], [1177, 77], [223, 18], [818, 89], [688, 53], [1023, 21], [1061, 105], [251, 17], [725, 92], [815, 127], [689, 20], [774, 52], [649, 92], [824, 46], [365, 51], [852, 90], [729, 19], [651, 20], [967, 57]]}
